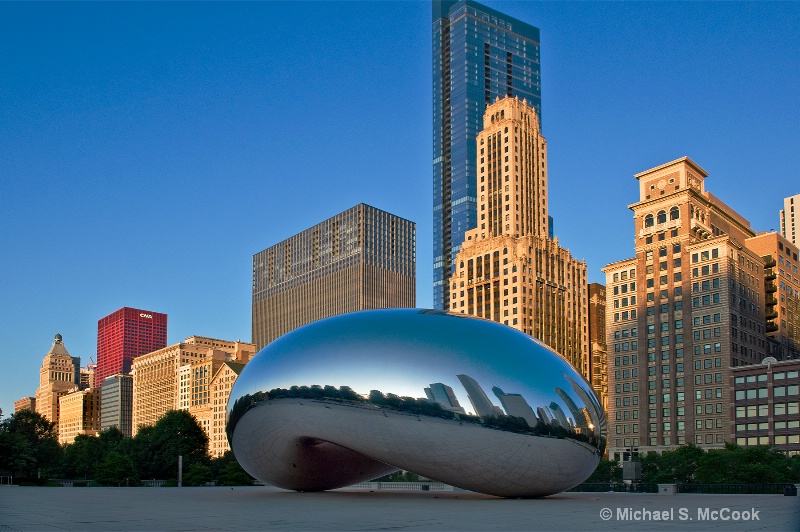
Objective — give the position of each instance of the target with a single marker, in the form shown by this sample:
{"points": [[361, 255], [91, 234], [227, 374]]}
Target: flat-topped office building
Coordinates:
{"points": [[363, 258]]}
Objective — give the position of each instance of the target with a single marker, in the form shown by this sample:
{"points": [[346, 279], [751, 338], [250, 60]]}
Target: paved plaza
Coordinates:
{"points": [[267, 508]]}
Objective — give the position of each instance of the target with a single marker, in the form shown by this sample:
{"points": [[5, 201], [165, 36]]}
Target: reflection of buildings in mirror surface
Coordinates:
{"points": [[561, 419], [597, 416], [516, 405], [578, 416], [278, 417], [481, 404], [444, 395]]}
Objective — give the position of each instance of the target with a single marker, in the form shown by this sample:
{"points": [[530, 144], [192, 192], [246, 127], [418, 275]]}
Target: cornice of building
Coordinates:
{"points": [[618, 265], [670, 198], [676, 162]]}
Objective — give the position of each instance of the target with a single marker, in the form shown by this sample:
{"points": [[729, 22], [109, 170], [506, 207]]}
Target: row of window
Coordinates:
{"points": [[625, 315], [625, 333], [705, 255], [661, 236], [783, 439], [661, 217], [702, 301], [762, 393], [762, 410], [624, 275]]}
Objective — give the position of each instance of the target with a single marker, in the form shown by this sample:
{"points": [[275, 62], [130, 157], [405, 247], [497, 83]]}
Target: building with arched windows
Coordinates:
{"points": [[680, 314]]}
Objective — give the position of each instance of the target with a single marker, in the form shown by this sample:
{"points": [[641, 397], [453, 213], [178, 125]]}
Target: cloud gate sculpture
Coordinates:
{"points": [[462, 400]]}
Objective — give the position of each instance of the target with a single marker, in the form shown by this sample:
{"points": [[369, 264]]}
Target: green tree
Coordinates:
{"points": [[143, 451], [228, 472], [85, 452], [80, 457], [739, 465], [177, 433], [197, 474], [606, 471], [116, 469], [28, 445]]}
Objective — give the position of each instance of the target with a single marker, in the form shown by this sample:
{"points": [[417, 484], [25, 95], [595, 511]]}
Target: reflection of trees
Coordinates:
{"points": [[315, 391], [409, 405]]}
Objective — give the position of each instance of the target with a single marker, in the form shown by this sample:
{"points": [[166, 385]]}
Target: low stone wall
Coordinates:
{"points": [[395, 486]]}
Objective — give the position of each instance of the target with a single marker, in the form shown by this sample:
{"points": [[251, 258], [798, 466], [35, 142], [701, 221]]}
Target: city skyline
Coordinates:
{"points": [[152, 153]]}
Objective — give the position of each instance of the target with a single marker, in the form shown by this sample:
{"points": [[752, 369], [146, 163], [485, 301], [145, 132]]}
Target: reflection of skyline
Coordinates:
{"points": [[578, 416], [560, 418], [545, 415], [593, 408], [516, 405], [443, 394], [480, 401]]}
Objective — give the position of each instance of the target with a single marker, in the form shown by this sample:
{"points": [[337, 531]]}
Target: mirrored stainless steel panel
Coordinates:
{"points": [[462, 400]]}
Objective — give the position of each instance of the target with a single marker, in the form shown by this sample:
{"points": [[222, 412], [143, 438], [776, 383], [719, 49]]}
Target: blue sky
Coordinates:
{"points": [[148, 150]]}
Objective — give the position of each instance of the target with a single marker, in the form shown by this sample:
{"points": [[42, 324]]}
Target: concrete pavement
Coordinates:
{"points": [[268, 508]]}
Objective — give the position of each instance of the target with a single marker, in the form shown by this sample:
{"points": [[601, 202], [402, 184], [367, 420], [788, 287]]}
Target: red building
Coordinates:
{"points": [[124, 335]]}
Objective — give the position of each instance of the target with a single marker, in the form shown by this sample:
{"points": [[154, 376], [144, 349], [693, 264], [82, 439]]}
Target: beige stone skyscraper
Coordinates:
{"points": [[79, 413], [684, 310], [220, 389], [508, 269], [56, 378], [26, 403], [157, 384]]}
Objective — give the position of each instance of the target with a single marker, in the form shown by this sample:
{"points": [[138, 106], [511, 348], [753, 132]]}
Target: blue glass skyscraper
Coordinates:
{"points": [[479, 54]]}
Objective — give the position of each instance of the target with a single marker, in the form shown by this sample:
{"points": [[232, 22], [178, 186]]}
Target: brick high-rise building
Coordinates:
{"points": [[790, 215], [363, 258], [125, 334], [598, 355], [782, 287], [479, 54], [508, 269], [680, 314], [766, 409]]}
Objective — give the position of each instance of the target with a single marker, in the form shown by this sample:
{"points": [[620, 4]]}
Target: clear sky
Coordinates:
{"points": [[148, 150]]}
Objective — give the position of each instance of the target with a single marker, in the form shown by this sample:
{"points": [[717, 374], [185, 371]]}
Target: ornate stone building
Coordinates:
{"points": [[680, 314], [508, 270], [220, 388], [57, 376], [156, 383]]}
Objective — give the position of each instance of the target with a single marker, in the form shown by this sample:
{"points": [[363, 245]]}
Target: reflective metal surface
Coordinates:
{"points": [[461, 400]]}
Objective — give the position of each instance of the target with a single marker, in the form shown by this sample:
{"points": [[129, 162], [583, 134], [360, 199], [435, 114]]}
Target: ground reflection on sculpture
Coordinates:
{"points": [[358, 396]]}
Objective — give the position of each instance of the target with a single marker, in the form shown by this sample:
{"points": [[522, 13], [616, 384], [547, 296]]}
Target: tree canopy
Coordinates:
{"points": [[689, 464], [28, 445]]}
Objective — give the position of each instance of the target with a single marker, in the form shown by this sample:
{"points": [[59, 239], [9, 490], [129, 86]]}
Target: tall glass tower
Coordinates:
{"points": [[479, 54]]}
